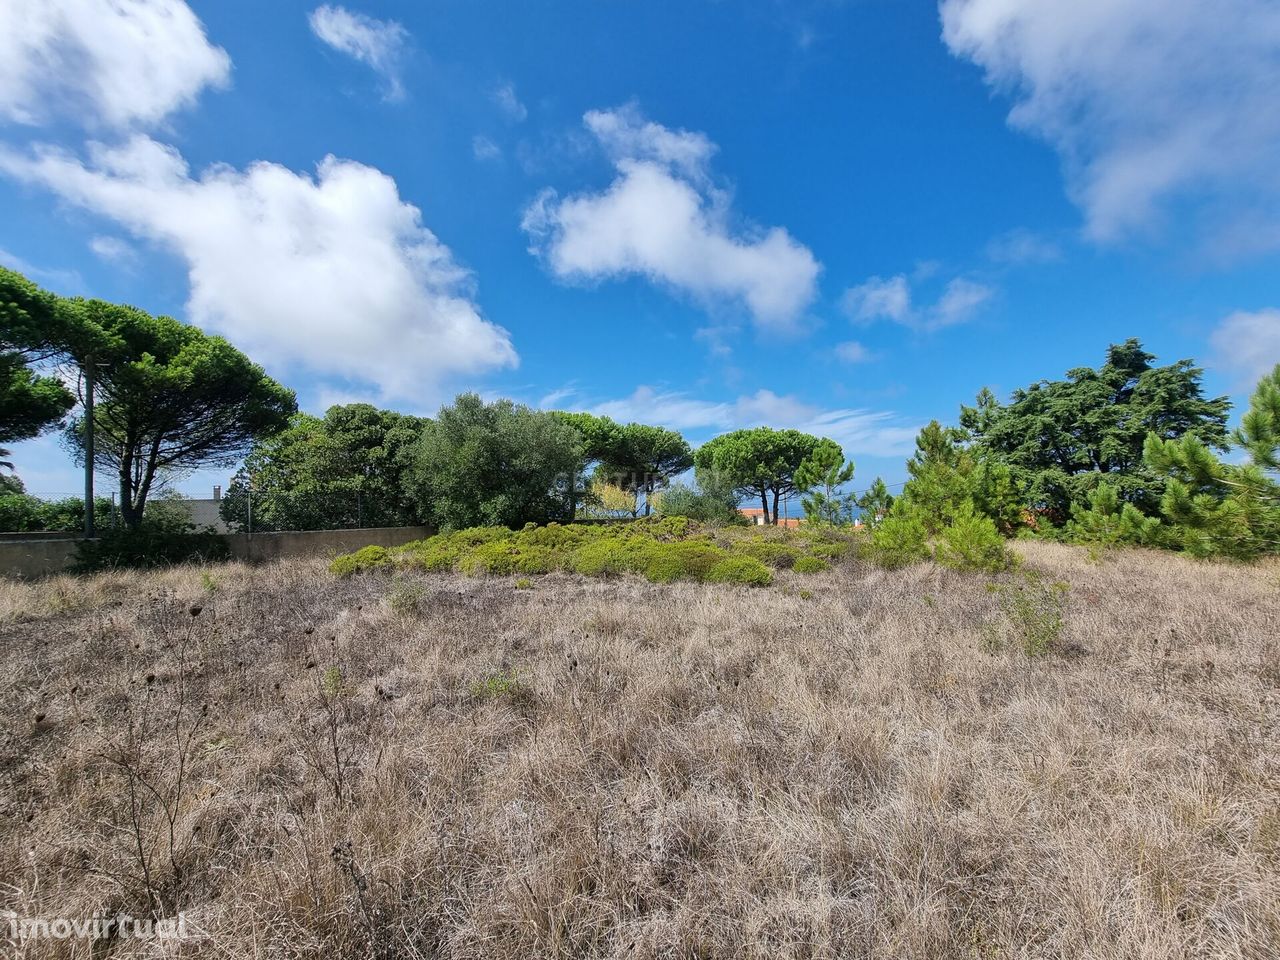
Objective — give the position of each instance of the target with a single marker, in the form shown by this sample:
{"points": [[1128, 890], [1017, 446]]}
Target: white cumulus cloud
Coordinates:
{"points": [[1248, 344], [378, 44], [891, 299], [124, 63], [662, 218], [333, 272], [1149, 104]]}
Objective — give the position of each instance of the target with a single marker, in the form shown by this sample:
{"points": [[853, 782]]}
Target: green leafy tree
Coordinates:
{"points": [[820, 478], [20, 512], [498, 464], [759, 463], [875, 503], [644, 459], [1222, 508], [345, 469], [1061, 437], [172, 399]]}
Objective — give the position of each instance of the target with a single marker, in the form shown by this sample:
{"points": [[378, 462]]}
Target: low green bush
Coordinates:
{"points": [[682, 560], [612, 556], [809, 564], [899, 541], [779, 555], [663, 549], [739, 569], [972, 542], [362, 561]]}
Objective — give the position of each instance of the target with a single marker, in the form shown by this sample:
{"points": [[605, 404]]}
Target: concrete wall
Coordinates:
{"points": [[38, 555], [45, 554], [257, 547]]}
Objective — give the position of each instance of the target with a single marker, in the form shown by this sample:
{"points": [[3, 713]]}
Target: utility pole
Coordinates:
{"points": [[88, 450]]}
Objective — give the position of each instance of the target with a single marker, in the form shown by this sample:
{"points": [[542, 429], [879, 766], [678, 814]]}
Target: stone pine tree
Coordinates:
{"points": [[759, 463], [172, 399], [644, 460], [30, 402]]}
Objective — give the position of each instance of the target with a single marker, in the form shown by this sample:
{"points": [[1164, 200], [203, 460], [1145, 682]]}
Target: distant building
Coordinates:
{"points": [[205, 513], [757, 517]]}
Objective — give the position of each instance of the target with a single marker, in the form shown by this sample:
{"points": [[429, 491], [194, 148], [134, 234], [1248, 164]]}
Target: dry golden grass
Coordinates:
{"points": [[844, 765]]}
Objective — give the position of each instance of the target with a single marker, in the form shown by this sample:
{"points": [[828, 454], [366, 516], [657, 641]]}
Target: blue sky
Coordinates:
{"points": [[841, 216]]}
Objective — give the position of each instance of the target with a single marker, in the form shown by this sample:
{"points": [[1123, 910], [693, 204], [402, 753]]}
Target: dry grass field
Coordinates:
{"points": [[859, 763]]}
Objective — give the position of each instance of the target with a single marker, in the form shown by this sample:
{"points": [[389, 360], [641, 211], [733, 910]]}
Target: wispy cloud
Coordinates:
{"points": [[891, 299], [1247, 345], [482, 148], [1019, 247], [379, 44], [1149, 104], [505, 97]]}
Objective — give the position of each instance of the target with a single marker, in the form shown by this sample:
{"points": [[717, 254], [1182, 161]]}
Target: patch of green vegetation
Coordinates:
{"points": [[663, 549], [684, 560], [524, 583], [972, 542], [744, 570], [495, 685], [362, 561], [778, 555], [332, 684], [810, 564]]}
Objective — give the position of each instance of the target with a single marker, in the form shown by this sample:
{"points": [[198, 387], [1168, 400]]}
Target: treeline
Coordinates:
{"points": [[1129, 452]]}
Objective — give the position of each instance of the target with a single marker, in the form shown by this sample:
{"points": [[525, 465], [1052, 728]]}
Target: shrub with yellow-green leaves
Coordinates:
{"points": [[663, 549]]}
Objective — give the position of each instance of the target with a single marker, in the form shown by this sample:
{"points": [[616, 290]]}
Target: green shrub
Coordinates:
{"points": [[900, 540], [611, 556], [362, 561], [811, 565], [683, 560], [739, 569], [436, 554], [972, 542], [771, 552], [494, 557], [557, 536], [142, 549]]}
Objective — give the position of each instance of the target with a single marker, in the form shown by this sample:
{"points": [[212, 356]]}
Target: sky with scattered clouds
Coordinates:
{"points": [[846, 217]]}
